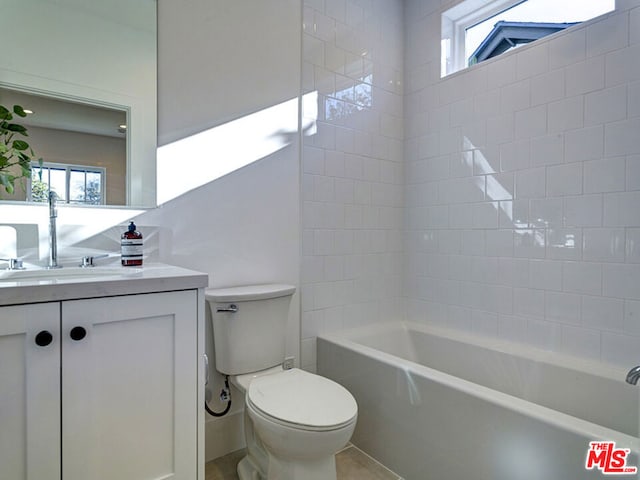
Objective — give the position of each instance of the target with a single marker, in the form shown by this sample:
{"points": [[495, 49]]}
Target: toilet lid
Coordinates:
{"points": [[298, 397], [248, 293]]}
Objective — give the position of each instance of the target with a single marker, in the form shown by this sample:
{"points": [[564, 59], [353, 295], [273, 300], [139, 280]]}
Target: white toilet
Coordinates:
{"points": [[295, 421]]}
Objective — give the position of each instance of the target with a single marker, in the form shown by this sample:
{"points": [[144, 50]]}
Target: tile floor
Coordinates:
{"points": [[351, 463]]}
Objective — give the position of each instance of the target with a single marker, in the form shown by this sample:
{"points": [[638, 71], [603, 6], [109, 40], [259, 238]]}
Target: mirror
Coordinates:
{"points": [[87, 69]]}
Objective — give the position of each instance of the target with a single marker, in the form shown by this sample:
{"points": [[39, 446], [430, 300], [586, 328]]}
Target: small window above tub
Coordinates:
{"points": [[477, 30]]}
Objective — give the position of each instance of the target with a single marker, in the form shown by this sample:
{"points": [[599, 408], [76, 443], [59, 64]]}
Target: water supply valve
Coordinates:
{"points": [[224, 395]]}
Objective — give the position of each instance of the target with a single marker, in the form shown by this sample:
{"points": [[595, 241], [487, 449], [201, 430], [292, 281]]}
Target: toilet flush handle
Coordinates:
{"points": [[233, 308]]}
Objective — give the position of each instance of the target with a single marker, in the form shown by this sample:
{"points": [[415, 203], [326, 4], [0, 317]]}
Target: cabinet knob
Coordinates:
{"points": [[77, 333], [44, 338]]}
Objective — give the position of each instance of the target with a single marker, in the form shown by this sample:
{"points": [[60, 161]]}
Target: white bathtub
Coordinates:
{"points": [[438, 406]]}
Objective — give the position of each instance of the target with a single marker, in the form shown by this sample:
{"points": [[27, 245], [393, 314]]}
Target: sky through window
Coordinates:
{"points": [[551, 11]]}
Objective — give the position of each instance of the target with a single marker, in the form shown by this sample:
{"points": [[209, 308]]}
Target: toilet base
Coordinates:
{"points": [[248, 471], [324, 469], [278, 469], [261, 464]]}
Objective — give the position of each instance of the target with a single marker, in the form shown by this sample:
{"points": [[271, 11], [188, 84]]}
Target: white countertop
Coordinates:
{"points": [[75, 284]]}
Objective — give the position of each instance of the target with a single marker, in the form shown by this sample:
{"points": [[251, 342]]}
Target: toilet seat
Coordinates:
{"points": [[302, 400]]}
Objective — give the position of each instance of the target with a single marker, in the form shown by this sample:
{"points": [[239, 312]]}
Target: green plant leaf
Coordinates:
{"points": [[5, 114], [18, 110], [20, 145], [13, 153], [13, 127], [6, 181]]}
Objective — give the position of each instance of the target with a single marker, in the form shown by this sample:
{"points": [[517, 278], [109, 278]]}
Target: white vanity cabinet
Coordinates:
{"points": [[30, 392], [102, 388]]}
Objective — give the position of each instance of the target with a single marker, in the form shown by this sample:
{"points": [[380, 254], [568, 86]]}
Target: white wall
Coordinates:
{"points": [[523, 188], [242, 228], [352, 180], [247, 60]]}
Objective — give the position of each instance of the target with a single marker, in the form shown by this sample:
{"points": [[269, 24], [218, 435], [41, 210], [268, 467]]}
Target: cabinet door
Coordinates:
{"points": [[129, 387], [30, 392]]}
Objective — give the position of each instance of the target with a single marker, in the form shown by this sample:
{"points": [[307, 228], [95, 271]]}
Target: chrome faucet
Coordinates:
{"points": [[633, 375], [13, 263], [53, 236], [88, 260]]}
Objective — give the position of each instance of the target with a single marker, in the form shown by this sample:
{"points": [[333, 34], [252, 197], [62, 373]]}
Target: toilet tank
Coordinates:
{"points": [[252, 337]]}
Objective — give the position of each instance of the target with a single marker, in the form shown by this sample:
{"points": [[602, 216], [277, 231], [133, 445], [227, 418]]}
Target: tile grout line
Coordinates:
{"points": [[374, 460], [347, 447]]}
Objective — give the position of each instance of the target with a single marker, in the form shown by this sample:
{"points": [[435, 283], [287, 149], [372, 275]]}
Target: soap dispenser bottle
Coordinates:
{"points": [[131, 247]]}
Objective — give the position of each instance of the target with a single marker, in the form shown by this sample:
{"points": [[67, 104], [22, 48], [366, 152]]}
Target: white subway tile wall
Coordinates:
{"points": [[523, 188], [353, 169], [503, 200]]}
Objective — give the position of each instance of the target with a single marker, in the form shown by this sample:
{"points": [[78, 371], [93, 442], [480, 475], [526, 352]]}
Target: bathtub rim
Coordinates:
{"points": [[593, 431], [548, 357]]}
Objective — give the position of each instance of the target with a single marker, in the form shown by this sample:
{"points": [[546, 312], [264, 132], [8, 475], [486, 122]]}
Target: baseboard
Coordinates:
{"points": [[224, 435]]}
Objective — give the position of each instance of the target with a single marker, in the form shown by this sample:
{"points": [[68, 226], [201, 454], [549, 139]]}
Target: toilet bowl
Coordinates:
{"points": [[295, 421]]}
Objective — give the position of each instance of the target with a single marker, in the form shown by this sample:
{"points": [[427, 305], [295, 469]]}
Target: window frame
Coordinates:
{"points": [[467, 14], [457, 19], [68, 168]]}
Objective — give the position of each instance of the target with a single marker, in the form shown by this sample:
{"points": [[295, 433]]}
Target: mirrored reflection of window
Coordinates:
{"points": [[570, 241], [349, 99], [74, 184], [85, 187]]}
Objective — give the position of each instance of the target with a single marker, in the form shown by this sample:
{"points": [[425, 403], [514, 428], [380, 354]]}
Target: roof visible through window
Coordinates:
{"points": [[474, 30], [566, 12]]}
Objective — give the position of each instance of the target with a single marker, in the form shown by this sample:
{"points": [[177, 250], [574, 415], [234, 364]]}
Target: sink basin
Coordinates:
{"points": [[66, 274]]}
